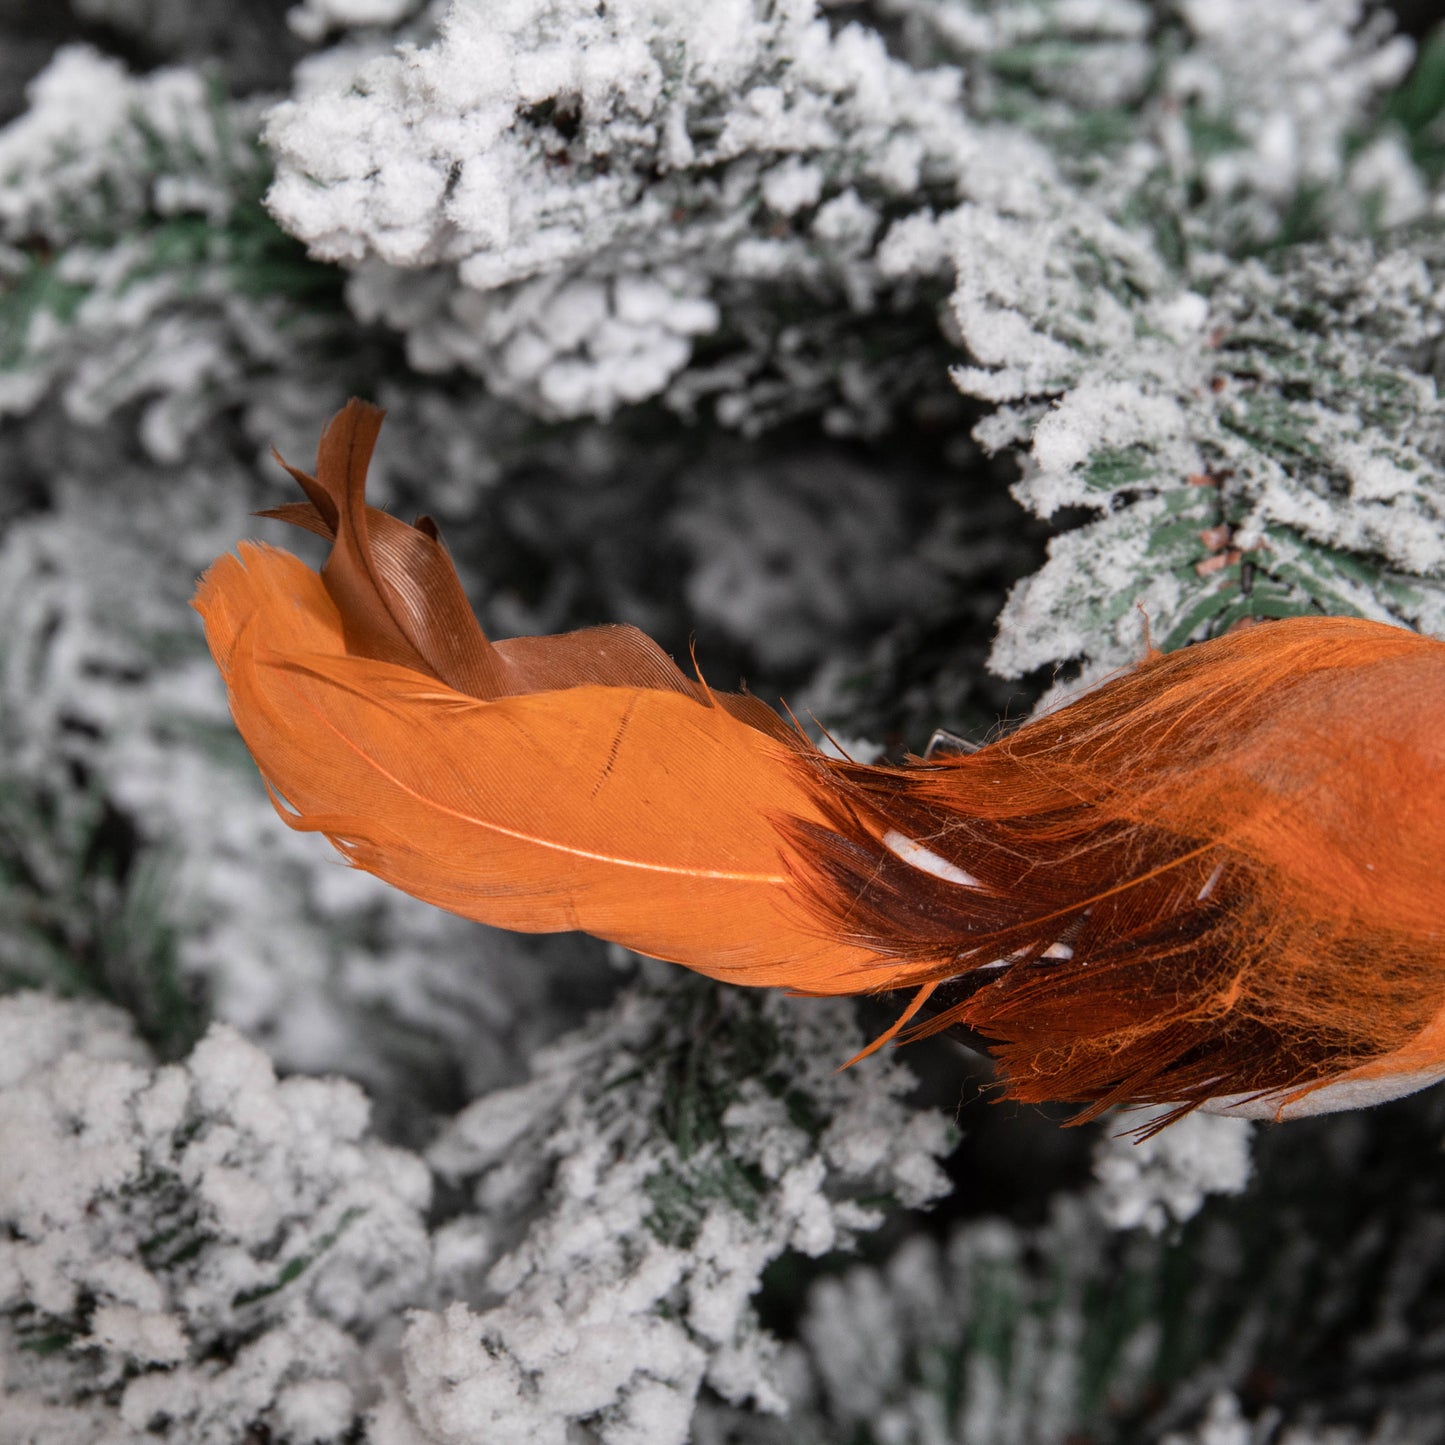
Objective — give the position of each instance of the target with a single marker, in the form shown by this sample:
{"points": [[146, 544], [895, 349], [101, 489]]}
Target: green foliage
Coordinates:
{"points": [[141, 241], [295, 1267], [38, 290], [86, 909], [1418, 107], [716, 1058], [1274, 450], [1071, 1330]]}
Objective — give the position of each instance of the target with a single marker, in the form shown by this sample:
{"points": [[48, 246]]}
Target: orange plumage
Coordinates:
{"points": [[1219, 875]]}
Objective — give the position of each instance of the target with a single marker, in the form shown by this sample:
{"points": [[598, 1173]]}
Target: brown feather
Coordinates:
{"points": [[1241, 847]]}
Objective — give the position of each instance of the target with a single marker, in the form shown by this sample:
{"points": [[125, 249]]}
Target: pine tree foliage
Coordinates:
{"points": [[204, 1246], [1290, 1312], [1194, 402], [193, 1246], [1164, 144], [591, 207], [738, 317], [1244, 463], [141, 269], [657, 1161], [84, 910], [162, 344]]}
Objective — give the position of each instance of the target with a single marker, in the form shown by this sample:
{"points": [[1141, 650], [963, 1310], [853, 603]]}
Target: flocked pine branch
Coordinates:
{"points": [[1246, 463], [657, 1162], [196, 1248], [141, 268], [1301, 1310], [136, 833], [595, 207], [202, 1248]]}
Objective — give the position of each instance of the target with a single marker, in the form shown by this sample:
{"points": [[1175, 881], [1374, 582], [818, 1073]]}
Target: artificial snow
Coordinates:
{"points": [[1165, 1178]]}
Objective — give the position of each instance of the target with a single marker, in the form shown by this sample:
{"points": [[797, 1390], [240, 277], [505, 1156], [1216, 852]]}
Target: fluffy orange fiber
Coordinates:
{"points": [[1216, 880]]}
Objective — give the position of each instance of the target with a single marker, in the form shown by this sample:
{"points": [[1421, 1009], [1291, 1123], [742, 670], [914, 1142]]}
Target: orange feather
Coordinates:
{"points": [[1216, 880], [587, 784], [1222, 873]]}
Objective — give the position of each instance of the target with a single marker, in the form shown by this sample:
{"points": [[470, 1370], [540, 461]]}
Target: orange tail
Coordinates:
{"points": [[1220, 874]]}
